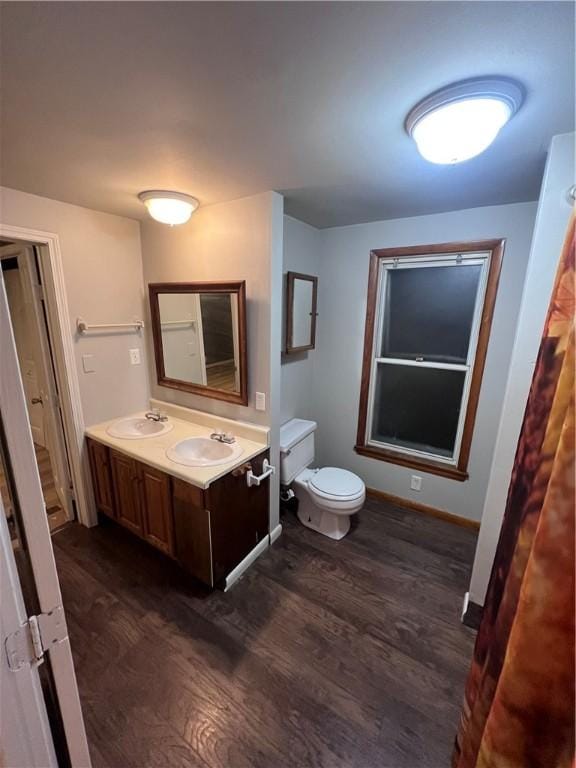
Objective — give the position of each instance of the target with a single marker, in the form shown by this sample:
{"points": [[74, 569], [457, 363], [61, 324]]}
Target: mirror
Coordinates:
{"points": [[301, 312], [199, 332]]}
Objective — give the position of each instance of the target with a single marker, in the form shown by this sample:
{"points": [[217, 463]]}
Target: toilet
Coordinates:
{"points": [[327, 497]]}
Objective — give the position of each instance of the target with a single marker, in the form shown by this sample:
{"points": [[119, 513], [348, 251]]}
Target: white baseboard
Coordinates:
{"points": [[465, 605], [275, 533], [234, 575], [243, 566]]}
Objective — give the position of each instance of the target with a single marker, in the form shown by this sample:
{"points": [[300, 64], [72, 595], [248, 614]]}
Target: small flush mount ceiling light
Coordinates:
{"points": [[462, 120], [169, 207]]}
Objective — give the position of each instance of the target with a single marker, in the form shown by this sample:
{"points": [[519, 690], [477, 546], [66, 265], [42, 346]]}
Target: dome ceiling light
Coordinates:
{"points": [[169, 207], [462, 120]]}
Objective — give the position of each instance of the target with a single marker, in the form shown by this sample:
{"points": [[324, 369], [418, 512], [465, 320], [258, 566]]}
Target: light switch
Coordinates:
{"points": [[88, 363], [191, 348], [134, 356], [416, 482], [260, 401]]}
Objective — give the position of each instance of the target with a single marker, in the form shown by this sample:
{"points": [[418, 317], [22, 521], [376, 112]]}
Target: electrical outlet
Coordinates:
{"points": [[134, 356], [260, 401], [416, 482]]}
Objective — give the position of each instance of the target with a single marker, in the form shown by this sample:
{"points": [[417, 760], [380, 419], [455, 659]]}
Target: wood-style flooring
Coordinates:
{"points": [[221, 376], [326, 654]]}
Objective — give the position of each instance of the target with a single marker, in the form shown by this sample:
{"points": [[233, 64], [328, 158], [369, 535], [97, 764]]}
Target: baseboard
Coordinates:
{"points": [[471, 612], [275, 533], [262, 546], [424, 509], [243, 566]]}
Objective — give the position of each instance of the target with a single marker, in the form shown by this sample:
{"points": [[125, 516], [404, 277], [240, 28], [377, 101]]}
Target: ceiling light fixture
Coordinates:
{"points": [[169, 207], [462, 120]]}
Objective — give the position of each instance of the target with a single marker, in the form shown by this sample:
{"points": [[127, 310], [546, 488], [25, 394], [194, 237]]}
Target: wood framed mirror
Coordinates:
{"points": [[199, 333], [301, 298]]}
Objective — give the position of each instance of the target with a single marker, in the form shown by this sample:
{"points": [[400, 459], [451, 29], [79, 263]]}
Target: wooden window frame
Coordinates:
{"points": [[459, 470]]}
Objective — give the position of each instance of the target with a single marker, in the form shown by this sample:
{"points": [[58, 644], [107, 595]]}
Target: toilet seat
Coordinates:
{"points": [[336, 485]]}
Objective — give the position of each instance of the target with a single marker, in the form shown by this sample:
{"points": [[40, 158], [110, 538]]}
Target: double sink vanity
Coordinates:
{"points": [[193, 485]]}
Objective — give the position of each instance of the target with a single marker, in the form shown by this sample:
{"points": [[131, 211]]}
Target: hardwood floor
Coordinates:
{"points": [[326, 654]]}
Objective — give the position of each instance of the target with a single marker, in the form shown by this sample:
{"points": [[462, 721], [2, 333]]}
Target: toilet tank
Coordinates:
{"points": [[296, 448]]}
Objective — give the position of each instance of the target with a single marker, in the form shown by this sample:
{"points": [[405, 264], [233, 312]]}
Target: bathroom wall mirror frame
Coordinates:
{"points": [[301, 312], [428, 318], [199, 333]]}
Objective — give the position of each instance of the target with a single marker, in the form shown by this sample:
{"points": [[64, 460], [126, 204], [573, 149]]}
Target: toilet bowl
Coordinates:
{"points": [[327, 497]]}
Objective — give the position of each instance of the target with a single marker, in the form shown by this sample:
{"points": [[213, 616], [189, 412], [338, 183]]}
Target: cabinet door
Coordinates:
{"points": [[192, 531], [238, 517], [101, 477], [126, 492], [157, 522]]}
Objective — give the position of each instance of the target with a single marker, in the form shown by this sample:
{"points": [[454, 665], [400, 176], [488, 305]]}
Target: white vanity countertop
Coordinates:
{"points": [[152, 450]]}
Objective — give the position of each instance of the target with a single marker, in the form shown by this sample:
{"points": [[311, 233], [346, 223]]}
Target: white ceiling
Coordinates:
{"points": [[221, 100]]}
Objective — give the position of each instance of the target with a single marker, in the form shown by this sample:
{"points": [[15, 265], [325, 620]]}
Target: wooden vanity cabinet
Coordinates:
{"points": [[101, 477], [209, 532], [125, 482], [156, 505], [238, 516]]}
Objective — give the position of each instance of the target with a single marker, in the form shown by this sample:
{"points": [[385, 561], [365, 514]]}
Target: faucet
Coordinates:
{"points": [[156, 415], [223, 437]]}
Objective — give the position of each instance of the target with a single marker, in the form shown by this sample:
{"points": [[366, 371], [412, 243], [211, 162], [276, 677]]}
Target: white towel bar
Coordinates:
{"points": [[83, 327]]}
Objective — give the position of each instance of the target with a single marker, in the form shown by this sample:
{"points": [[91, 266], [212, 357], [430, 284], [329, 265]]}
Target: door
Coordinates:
{"points": [[24, 718], [48, 394], [157, 524], [24, 289], [125, 480], [25, 733]]}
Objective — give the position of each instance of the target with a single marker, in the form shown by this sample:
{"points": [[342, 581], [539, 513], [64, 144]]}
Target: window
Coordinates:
{"points": [[427, 327]]}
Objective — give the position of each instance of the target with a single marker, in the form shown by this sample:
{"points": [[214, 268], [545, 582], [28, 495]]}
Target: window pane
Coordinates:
{"points": [[417, 407], [429, 312]]}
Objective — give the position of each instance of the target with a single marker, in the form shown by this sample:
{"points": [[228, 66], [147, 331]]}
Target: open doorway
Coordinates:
{"points": [[22, 278]]}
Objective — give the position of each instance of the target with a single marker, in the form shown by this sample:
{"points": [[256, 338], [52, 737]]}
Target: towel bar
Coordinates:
{"points": [[83, 327]]}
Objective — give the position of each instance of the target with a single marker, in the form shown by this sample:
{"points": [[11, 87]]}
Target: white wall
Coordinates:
{"points": [[338, 360], [550, 229], [302, 249], [238, 240], [103, 276]]}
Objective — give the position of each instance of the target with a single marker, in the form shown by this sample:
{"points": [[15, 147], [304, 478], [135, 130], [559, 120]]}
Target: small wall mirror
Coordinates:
{"points": [[199, 332], [300, 312]]}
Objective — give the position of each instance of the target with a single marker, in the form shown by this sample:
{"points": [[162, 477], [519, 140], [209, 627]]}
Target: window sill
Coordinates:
{"points": [[431, 467]]}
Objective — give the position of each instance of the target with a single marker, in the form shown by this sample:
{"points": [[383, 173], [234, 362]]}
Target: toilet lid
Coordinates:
{"points": [[337, 482]]}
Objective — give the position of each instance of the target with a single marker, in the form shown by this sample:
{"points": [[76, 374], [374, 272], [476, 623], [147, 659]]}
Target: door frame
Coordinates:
{"points": [[58, 320]]}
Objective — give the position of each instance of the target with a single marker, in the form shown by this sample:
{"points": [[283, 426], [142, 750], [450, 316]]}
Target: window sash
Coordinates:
{"points": [[453, 261]]}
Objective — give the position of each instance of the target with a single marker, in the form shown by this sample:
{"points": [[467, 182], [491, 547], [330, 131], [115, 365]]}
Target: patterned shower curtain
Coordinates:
{"points": [[519, 702]]}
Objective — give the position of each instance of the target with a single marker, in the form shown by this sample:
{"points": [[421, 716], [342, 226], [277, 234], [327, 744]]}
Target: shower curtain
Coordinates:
{"points": [[519, 701]]}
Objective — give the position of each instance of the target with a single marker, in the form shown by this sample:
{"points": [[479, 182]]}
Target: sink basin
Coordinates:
{"points": [[203, 452], [138, 427]]}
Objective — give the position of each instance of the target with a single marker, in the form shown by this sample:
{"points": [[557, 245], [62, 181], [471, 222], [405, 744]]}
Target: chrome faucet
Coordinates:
{"points": [[156, 415], [223, 437]]}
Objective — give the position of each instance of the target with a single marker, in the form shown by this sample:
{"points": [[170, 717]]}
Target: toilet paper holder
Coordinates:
{"points": [[267, 470]]}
